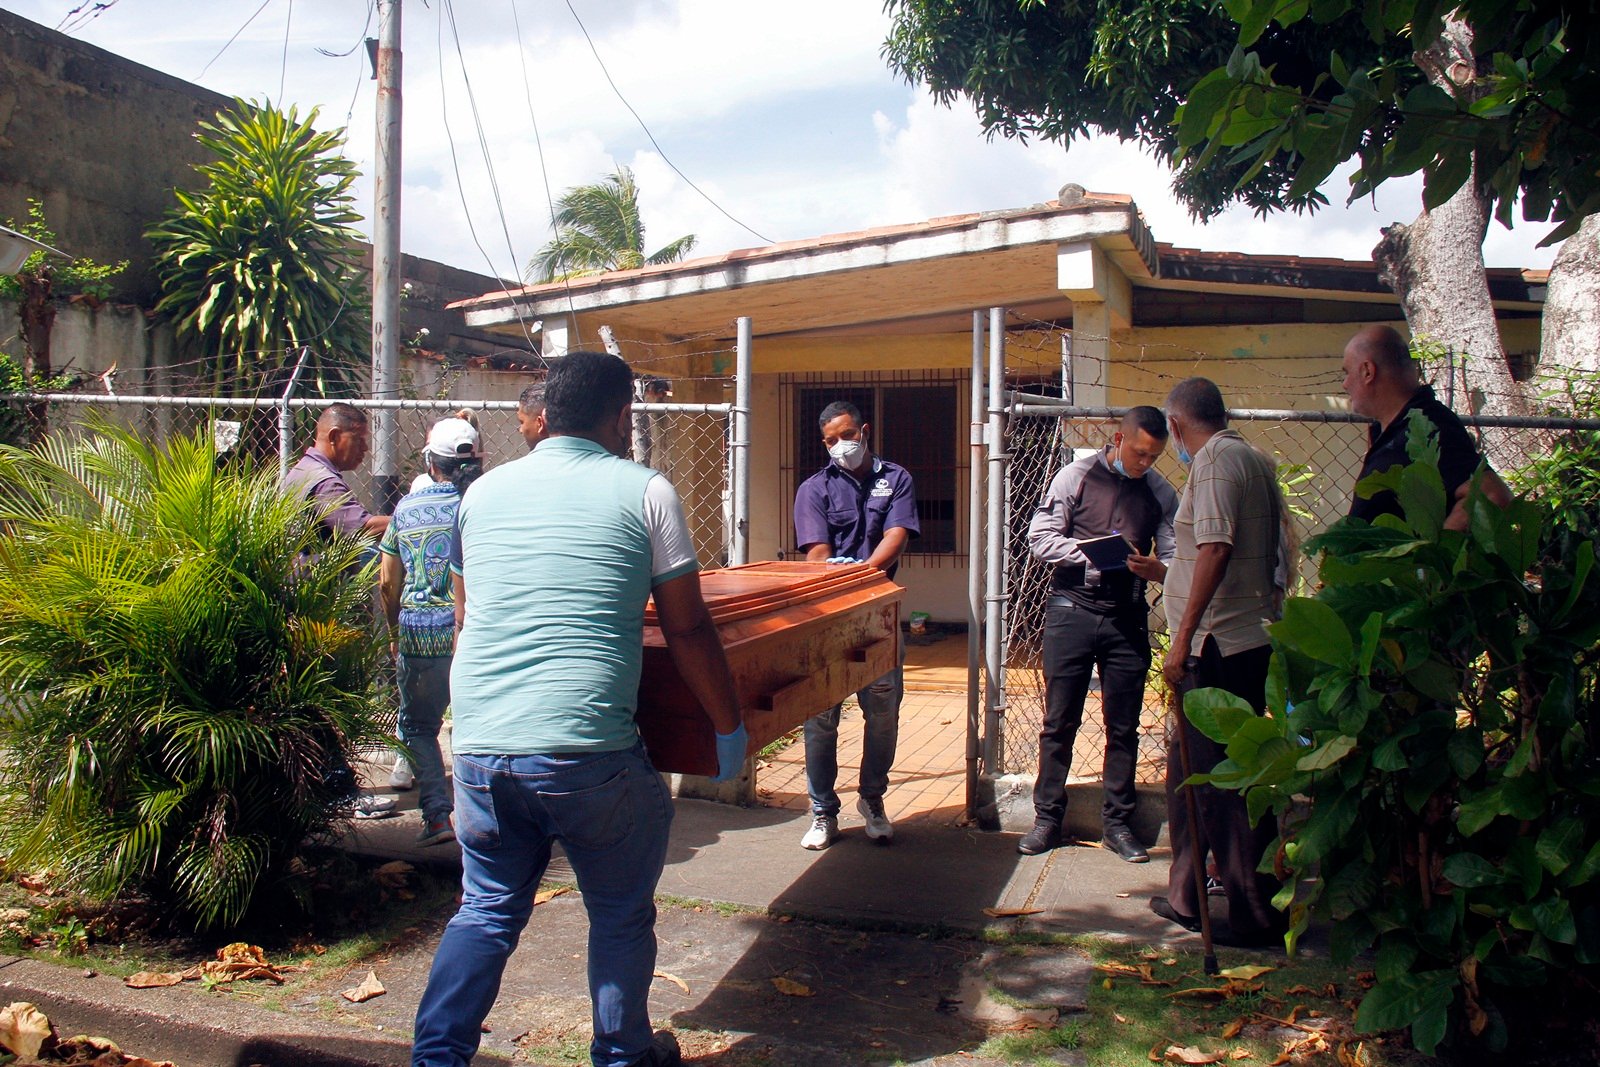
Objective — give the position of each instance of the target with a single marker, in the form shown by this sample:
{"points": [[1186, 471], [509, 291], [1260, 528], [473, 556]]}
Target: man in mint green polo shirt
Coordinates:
{"points": [[556, 554]]}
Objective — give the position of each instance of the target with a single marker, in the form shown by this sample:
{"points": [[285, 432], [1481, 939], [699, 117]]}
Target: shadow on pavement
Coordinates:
{"points": [[862, 983]]}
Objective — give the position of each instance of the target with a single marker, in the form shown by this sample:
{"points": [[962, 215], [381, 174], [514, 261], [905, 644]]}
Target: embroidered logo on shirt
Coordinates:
{"points": [[882, 488]]}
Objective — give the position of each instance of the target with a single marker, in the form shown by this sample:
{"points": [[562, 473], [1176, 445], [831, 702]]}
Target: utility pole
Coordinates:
{"points": [[386, 262]]}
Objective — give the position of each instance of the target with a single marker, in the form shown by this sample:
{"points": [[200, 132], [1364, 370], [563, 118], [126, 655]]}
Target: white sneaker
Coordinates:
{"points": [[824, 828], [375, 806], [879, 828], [402, 777]]}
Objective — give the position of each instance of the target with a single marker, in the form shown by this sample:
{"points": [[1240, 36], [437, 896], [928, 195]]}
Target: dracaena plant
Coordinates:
{"points": [[188, 668], [264, 258], [1432, 750]]}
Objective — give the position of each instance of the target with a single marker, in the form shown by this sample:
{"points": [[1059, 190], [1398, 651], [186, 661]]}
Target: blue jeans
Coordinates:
{"points": [[880, 707], [424, 694], [611, 812]]}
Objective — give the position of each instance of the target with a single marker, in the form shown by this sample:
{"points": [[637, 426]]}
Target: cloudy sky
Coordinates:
{"points": [[756, 121]]}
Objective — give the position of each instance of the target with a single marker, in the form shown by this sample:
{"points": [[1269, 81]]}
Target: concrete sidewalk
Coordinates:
{"points": [[879, 936]]}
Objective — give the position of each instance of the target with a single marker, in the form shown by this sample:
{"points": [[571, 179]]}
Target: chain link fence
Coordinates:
{"points": [[691, 443], [1318, 447]]}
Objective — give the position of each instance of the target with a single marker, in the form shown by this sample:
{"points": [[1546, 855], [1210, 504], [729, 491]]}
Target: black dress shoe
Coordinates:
{"points": [[1271, 937], [1042, 838], [1120, 839], [1162, 907]]}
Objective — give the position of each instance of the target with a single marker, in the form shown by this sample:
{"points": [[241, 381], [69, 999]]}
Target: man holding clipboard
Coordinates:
{"points": [[1105, 524]]}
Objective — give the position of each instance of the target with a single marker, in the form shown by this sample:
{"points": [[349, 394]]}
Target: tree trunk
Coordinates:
{"points": [[38, 317], [1435, 267], [1569, 338]]}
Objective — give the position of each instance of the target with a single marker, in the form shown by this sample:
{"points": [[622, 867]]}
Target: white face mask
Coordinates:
{"points": [[849, 455]]}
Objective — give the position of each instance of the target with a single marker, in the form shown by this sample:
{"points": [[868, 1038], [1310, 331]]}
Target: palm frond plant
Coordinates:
{"points": [[265, 258], [187, 667], [598, 228]]}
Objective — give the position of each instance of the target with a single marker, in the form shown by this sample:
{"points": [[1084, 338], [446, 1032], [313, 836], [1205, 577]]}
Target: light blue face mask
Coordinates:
{"points": [[1117, 466], [1183, 453]]}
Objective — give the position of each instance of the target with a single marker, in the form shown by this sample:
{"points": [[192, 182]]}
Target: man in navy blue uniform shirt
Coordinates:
{"points": [[858, 507]]}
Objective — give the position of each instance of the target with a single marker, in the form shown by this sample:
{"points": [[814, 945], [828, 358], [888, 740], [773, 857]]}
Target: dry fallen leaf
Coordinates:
{"points": [[370, 987], [1246, 973], [23, 1030], [674, 979], [1241, 1054], [1232, 1029], [1006, 913], [1157, 1053], [152, 979], [1299, 991], [1188, 1054], [1352, 1054], [550, 894], [394, 874], [790, 988], [1121, 1019], [14, 915]]}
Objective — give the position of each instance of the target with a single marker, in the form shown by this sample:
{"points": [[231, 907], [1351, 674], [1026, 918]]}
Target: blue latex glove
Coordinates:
{"points": [[730, 754], [843, 559]]}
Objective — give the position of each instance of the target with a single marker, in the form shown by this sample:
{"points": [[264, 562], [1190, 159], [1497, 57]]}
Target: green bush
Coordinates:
{"points": [[189, 670], [1444, 728]]}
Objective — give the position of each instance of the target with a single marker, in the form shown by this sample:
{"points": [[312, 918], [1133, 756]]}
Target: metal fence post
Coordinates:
{"points": [[975, 572], [739, 449], [998, 543], [286, 416]]}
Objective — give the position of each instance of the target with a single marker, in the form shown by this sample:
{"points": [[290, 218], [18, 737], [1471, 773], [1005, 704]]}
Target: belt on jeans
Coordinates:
{"points": [[1056, 600]]}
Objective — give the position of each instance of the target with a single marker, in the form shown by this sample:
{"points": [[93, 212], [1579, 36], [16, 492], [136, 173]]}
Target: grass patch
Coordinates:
{"points": [[1033, 1046], [1132, 1021], [721, 907], [358, 909]]}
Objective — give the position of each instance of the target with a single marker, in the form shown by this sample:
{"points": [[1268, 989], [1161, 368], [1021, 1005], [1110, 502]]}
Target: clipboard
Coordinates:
{"points": [[1109, 553]]}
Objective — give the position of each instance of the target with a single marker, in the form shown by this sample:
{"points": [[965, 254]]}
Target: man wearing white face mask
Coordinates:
{"points": [[859, 507]]}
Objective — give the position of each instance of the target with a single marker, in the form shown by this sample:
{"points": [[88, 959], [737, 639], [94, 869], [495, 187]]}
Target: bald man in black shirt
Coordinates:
{"points": [[1384, 382]]}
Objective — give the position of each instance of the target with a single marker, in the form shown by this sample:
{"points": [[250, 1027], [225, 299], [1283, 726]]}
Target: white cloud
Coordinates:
{"points": [[786, 117]]}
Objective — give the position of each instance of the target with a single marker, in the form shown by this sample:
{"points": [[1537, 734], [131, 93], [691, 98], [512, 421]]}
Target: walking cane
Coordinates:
{"points": [[1197, 836]]}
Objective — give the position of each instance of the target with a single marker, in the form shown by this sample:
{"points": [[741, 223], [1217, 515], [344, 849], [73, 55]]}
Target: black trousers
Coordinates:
{"points": [[1236, 844], [1077, 640]]}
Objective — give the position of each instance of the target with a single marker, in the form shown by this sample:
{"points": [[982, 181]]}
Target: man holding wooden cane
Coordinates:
{"points": [[1223, 588]]}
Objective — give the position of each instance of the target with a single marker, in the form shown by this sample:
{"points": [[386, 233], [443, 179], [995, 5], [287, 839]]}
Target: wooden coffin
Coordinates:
{"points": [[800, 638]]}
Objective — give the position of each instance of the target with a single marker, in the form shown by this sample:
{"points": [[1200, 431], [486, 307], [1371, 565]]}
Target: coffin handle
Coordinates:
{"points": [[800, 699]]}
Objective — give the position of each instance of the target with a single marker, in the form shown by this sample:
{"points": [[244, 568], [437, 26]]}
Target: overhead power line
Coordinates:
{"points": [[661, 151]]}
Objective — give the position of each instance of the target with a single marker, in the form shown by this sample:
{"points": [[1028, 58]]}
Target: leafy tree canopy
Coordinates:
{"points": [[597, 229], [1257, 101]]}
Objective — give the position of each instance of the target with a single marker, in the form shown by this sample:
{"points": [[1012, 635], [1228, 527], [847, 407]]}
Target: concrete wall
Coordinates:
{"points": [[88, 341], [102, 141]]}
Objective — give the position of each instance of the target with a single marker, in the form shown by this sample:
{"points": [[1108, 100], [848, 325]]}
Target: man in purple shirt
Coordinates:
{"points": [[857, 508], [343, 439], [342, 442]]}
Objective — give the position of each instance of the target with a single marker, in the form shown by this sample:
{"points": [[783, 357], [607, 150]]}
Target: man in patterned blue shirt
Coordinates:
{"points": [[415, 581]]}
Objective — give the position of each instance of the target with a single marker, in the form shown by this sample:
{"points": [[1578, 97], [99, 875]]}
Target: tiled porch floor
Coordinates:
{"points": [[929, 776]]}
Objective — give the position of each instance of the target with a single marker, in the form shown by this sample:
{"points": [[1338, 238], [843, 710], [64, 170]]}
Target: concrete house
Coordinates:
{"points": [[883, 317]]}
